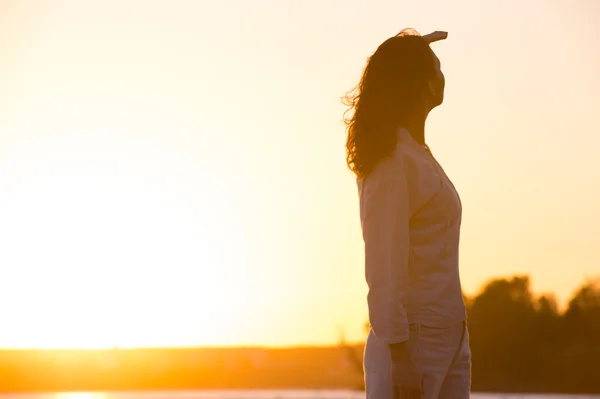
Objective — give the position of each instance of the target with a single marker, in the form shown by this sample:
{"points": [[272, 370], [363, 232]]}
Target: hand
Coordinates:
{"points": [[435, 36], [407, 380]]}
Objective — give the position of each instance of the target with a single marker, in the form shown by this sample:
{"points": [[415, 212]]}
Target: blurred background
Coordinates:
{"points": [[176, 212]]}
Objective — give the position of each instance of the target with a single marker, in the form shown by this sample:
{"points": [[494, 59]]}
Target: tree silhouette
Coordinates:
{"points": [[522, 343]]}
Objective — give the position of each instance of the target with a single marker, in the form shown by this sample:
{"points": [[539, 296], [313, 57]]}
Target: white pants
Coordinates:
{"points": [[441, 354]]}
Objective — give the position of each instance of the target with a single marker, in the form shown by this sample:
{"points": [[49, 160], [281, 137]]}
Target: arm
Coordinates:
{"points": [[385, 225], [435, 36]]}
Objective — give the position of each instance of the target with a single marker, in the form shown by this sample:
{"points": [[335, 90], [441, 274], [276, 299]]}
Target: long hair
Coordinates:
{"points": [[391, 91]]}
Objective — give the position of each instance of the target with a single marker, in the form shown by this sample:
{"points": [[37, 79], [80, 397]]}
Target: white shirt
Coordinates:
{"points": [[410, 215]]}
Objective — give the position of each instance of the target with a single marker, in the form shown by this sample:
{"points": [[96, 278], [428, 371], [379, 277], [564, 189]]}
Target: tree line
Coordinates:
{"points": [[524, 343]]}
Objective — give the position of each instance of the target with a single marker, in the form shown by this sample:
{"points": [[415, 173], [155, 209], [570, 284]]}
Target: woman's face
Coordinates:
{"points": [[436, 85]]}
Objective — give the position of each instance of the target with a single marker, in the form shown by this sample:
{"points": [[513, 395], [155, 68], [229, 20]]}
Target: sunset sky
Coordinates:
{"points": [[173, 173]]}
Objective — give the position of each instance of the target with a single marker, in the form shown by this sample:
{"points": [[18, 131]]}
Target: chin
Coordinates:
{"points": [[436, 103]]}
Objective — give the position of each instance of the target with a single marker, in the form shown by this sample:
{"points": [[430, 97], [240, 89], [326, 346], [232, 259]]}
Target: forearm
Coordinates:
{"points": [[386, 234]]}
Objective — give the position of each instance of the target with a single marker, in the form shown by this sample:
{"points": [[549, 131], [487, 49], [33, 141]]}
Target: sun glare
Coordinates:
{"points": [[106, 237], [78, 395]]}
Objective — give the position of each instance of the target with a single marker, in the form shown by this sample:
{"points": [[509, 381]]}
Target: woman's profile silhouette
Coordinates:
{"points": [[410, 215]]}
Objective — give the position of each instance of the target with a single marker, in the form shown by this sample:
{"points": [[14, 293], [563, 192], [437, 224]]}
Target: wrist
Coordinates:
{"points": [[399, 352]]}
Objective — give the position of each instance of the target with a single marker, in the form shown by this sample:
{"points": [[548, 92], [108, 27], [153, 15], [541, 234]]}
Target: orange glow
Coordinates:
{"points": [[77, 395], [173, 174]]}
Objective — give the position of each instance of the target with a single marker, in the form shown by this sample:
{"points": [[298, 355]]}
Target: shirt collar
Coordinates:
{"points": [[404, 136]]}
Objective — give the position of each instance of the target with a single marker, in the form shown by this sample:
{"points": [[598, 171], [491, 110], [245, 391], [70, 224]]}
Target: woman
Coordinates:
{"points": [[410, 215]]}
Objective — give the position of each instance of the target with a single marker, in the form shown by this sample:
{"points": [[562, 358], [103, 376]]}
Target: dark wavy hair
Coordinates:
{"points": [[391, 91]]}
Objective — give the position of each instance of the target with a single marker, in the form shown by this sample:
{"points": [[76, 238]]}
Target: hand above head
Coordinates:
{"points": [[435, 36]]}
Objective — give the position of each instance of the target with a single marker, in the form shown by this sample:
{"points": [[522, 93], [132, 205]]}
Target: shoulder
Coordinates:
{"points": [[404, 161]]}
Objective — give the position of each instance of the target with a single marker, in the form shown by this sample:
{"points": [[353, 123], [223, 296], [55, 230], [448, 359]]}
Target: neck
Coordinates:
{"points": [[416, 128]]}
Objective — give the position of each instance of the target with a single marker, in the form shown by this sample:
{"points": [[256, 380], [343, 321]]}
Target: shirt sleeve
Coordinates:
{"points": [[385, 225]]}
